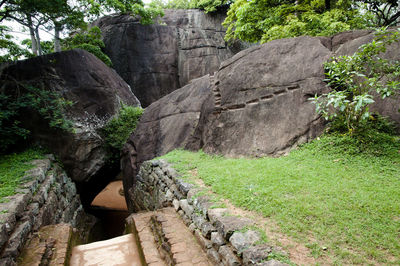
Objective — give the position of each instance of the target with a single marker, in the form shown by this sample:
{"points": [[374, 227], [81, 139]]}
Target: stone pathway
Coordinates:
{"points": [[116, 251], [165, 239], [162, 237]]}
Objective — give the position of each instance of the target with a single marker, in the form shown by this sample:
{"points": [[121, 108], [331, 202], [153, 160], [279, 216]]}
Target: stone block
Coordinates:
{"points": [[17, 239], [243, 240], [256, 254], [206, 229], [217, 240], [176, 205], [214, 256], [205, 243], [227, 225], [215, 214], [228, 257], [186, 207]]}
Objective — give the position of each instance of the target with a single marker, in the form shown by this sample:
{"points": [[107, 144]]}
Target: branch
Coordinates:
{"points": [[392, 19]]}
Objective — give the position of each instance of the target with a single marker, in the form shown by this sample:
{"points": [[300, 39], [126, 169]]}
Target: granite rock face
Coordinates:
{"points": [[256, 104], [160, 58], [96, 92], [172, 122], [261, 98]]}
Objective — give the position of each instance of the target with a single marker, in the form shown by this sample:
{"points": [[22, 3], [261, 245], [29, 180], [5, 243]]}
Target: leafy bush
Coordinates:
{"points": [[89, 41], [25, 99], [354, 80], [118, 129]]}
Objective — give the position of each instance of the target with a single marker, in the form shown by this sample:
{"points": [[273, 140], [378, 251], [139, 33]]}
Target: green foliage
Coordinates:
{"points": [[26, 98], [206, 5], [9, 50], [89, 41], [265, 20], [354, 79], [136, 7], [12, 168], [340, 192], [47, 47], [119, 128]]}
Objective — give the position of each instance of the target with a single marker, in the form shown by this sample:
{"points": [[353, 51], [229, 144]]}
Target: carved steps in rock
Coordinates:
{"points": [[165, 239]]}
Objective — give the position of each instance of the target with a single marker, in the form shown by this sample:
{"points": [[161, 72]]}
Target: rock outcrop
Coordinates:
{"points": [[256, 104], [96, 92], [160, 58], [173, 121]]}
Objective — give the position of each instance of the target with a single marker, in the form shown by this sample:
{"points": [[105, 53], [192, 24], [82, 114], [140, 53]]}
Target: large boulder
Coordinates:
{"points": [[261, 98], [255, 105], [174, 121], [97, 93], [160, 58]]}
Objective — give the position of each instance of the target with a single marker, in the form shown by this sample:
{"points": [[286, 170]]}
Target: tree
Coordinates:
{"points": [[265, 20], [9, 49], [387, 12], [58, 15], [90, 41]]}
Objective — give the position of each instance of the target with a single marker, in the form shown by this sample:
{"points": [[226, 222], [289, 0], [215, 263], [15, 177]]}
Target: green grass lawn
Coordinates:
{"points": [[335, 192], [12, 168]]}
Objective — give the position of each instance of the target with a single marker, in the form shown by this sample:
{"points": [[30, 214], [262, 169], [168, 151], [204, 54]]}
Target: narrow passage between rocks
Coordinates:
{"points": [[151, 238]]}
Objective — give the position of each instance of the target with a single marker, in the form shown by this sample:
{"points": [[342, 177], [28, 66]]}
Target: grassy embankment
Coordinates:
{"points": [[12, 168], [338, 196]]}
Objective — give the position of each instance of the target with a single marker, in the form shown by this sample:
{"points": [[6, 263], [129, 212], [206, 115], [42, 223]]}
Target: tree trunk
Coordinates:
{"points": [[38, 41], [57, 44], [32, 34]]}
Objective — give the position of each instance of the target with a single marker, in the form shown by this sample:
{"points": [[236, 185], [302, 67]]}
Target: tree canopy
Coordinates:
{"points": [[59, 15], [265, 20]]}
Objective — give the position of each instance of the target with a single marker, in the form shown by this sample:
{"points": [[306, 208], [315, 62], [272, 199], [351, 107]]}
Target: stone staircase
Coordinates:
{"points": [[155, 238]]}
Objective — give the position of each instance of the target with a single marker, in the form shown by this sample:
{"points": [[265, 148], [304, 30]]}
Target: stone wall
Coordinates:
{"points": [[46, 196], [227, 239]]}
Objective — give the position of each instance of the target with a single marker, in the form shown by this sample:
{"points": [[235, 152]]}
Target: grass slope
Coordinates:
{"points": [[335, 192], [12, 168]]}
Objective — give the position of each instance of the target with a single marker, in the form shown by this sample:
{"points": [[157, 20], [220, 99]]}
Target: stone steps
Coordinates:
{"points": [[166, 240], [116, 251]]}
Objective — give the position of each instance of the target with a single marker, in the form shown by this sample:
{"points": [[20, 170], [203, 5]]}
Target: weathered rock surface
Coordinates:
{"points": [[256, 104], [160, 58], [96, 92], [261, 98], [174, 121]]}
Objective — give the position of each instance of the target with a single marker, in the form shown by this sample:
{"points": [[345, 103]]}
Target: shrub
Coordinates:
{"points": [[118, 129], [355, 79], [89, 41], [25, 99]]}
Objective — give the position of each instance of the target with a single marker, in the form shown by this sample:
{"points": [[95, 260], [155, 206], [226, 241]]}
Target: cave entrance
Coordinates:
{"points": [[102, 196], [109, 207]]}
